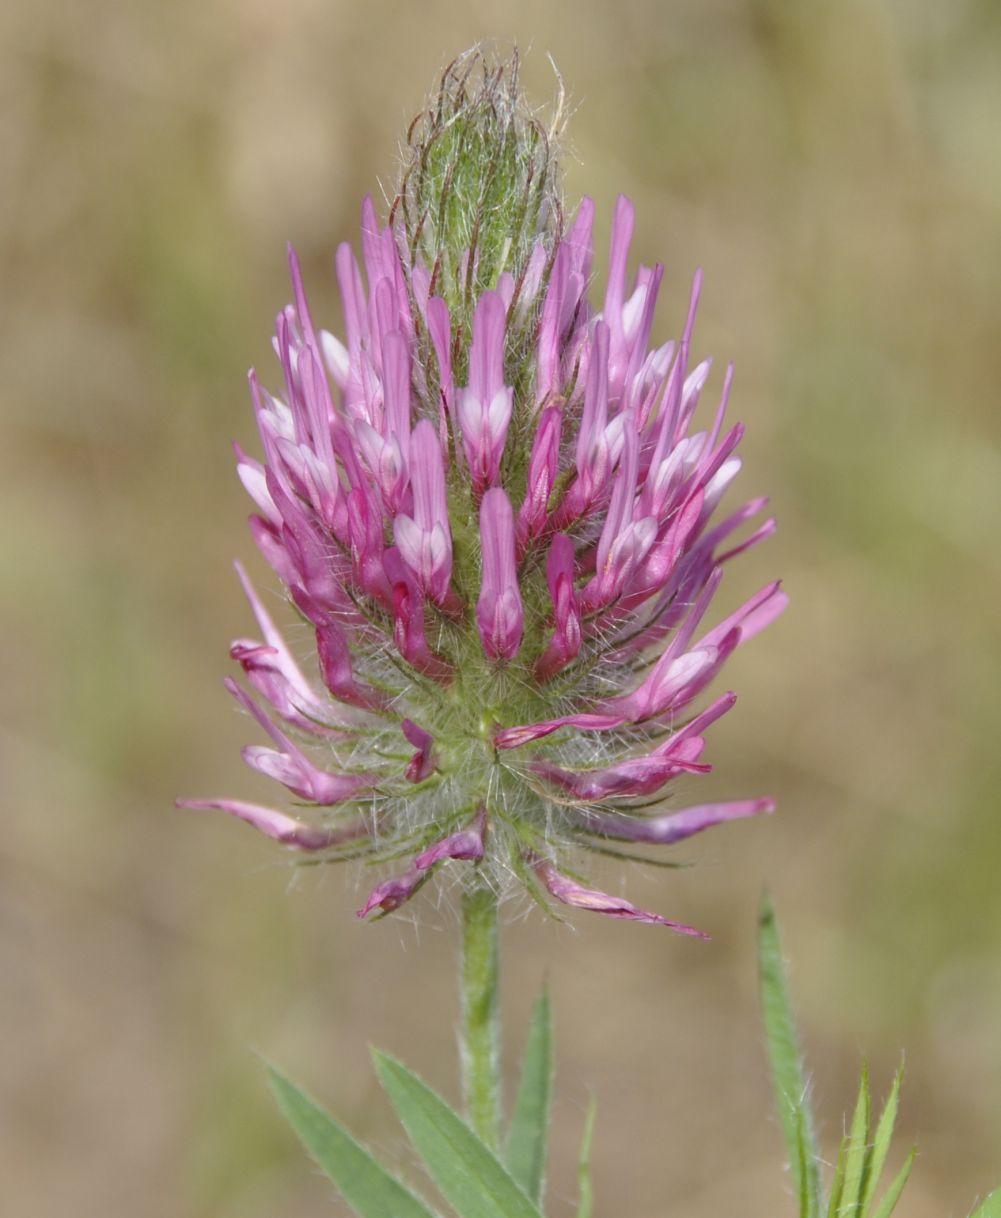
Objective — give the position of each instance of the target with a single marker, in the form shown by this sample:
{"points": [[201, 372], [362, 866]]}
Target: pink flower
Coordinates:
{"points": [[496, 512], [485, 405], [424, 539], [499, 613], [564, 645]]}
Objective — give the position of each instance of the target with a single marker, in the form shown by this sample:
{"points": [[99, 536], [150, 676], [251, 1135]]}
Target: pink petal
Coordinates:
{"points": [[542, 467], [421, 764], [753, 616], [391, 894], [278, 825], [676, 826], [484, 406], [570, 893], [425, 540], [499, 613], [466, 844], [290, 765]]}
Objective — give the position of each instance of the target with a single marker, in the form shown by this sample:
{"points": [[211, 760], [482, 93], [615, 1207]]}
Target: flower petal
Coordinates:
{"points": [[499, 613], [571, 893], [391, 894], [466, 844], [278, 825], [675, 826]]}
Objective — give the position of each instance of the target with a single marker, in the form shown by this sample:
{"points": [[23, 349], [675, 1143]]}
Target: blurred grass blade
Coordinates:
{"points": [[857, 1154], [585, 1194], [467, 1172], [528, 1135], [990, 1207], [892, 1195], [787, 1069], [364, 1183], [881, 1142]]}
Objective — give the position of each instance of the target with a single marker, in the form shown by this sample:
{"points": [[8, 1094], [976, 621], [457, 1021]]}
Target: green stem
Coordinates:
{"points": [[480, 1042]]}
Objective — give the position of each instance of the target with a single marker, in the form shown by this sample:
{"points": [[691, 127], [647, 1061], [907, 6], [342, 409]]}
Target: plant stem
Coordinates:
{"points": [[480, 1038]]}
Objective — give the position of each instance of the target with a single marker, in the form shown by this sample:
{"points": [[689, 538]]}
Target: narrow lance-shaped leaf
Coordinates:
{"points": [[852, 1145], [363, 1182], [838, 1184], [808, 1201], [585, 1194], [528, 1136], [892, 1195], [881, 1142], [857, 1155], [787, 1070], [466, 1171]]}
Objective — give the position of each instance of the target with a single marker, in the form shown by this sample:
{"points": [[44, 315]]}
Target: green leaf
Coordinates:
{"points": [[990, 1207], [467, 1172], [853, 1155], [585, 1194], [892, 1194], [363, 1182], [787, 1070], [802, 1174], [527, 1138], [838, 1184], [881, 1142], [856, 1153]]}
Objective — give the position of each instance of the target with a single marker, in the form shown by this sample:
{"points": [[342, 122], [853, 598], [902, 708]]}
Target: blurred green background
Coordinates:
{"points": [[836, 169]]}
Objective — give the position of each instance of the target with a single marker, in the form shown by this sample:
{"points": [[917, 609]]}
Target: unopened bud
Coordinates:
{"points": [[480, 191]]}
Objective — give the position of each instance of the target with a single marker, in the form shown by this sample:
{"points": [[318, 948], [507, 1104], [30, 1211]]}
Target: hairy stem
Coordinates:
{"points": [[480, 1037]]}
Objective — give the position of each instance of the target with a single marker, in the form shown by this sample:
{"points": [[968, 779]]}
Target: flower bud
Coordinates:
{"points": [[478, 206]]}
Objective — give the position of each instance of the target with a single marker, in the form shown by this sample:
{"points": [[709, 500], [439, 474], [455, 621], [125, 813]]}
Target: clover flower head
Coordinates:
{"points": [[495, 507]]}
